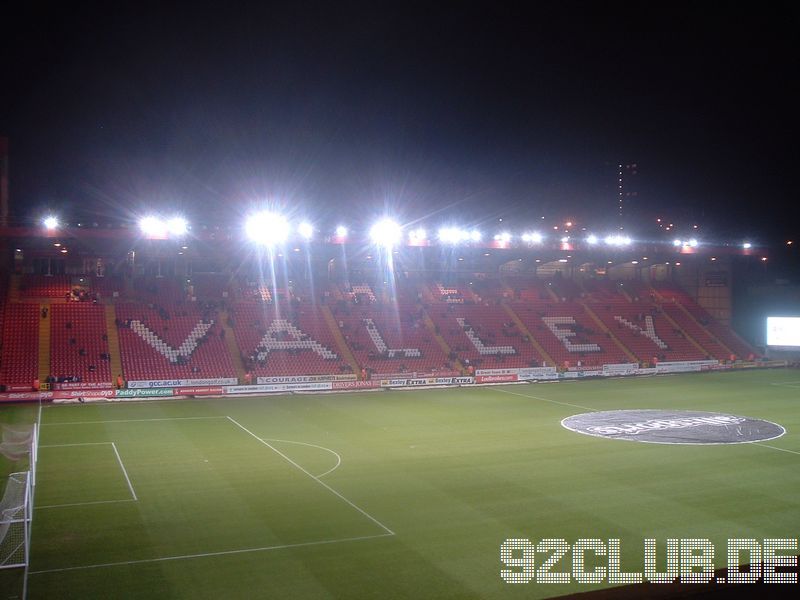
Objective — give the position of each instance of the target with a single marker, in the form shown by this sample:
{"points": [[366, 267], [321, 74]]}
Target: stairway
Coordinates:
{"points": [[113, 343], [233, 347], [693, 341], [552, 294], [631, 356], [440, 340], [13, 288], [44, 345], [706, 329], [344, 349], [521, 326]]}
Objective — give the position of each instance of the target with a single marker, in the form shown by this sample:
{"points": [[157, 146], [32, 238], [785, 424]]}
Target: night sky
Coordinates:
{"points": [[464, 114]]}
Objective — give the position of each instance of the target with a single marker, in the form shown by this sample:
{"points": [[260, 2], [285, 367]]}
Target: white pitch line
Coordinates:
{"points": [[206, 554], [786, 385], [544, 399], [130, 487], [314, 477], [336, 454], [133, 420], [86, 503], [70, 445], [776, 448]]}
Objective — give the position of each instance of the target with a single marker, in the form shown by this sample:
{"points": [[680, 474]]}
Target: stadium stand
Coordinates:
{"points": [[19, 360], [160, 290], [642, 328], [484, 336], [79, 342], [45, 286], [208, 286], [568, 333], [172, 341], [390, 338], [709, 325], [279, 339]]}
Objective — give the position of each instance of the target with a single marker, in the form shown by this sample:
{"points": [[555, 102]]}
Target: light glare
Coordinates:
{"points": [[306, 230], [385, 233], [152, 226], [177, 226], [267, 228]]}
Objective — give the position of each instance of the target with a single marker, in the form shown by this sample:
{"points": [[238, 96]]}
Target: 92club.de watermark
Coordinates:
{"points": [[687, 560]]}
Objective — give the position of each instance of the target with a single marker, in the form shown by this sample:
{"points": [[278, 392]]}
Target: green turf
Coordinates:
{"points": [[452, 473]]}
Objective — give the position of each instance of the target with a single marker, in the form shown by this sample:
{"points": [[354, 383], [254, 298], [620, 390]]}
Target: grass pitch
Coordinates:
{"points": [[398, 494]]}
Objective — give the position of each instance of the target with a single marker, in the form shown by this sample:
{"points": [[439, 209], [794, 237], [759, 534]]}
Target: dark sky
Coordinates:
{"points": [[341, 110]]}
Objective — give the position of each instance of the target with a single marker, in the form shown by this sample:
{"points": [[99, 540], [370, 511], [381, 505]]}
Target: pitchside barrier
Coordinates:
{"points": [[325, 383]]}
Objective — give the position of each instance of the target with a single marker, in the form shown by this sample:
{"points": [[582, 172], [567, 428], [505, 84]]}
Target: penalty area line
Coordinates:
{"points": [[208, 554], [124, 472], [86, 503], [314, 477], [131, 421]]}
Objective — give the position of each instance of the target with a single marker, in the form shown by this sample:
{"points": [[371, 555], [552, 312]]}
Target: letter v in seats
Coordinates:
{"points": [[171, 354]]}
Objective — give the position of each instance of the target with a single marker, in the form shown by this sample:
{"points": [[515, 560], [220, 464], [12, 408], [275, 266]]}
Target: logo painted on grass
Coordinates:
{"points": [[673, 427]]}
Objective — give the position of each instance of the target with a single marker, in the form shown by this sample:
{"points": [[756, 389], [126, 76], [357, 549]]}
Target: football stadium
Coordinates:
{"points": [[374, 300], [348, 412]]}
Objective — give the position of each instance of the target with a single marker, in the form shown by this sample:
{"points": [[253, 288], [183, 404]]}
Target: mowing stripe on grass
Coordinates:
{"points": [[206, 554], [314, 477]]}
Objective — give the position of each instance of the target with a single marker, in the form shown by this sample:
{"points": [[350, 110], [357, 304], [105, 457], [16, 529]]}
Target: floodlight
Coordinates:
{"points": [[385, 233], [693, 243], [592, 239], [565, 239], [152, 226], [306, 230], [475, 235], [618, 240], [341, 231], [535, 237], [267, 228], [505, 237], [417, 235], [177, 226], [676, 243], [451, 235], [50, 222], [747, 245]]}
